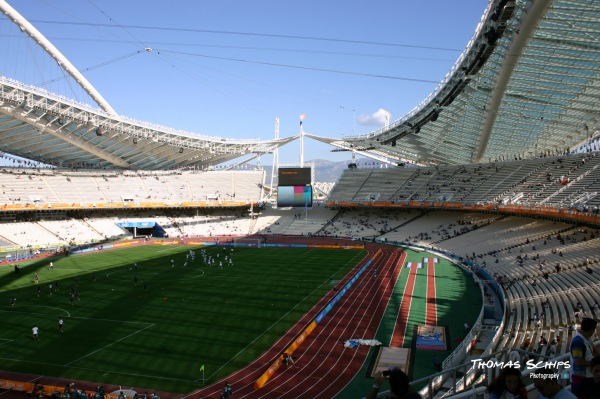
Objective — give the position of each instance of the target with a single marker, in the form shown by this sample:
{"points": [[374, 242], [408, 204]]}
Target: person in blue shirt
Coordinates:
{"points": [[582, 350]]}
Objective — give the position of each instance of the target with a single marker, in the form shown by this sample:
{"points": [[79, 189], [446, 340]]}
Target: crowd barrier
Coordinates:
{"points": [[123, 205], [523, 210]]}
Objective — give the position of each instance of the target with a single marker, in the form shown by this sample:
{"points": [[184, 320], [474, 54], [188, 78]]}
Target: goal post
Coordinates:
{"points": [[248, 242]]}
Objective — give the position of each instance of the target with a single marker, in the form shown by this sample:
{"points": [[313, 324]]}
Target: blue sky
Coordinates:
{"points": [[228, 68]]}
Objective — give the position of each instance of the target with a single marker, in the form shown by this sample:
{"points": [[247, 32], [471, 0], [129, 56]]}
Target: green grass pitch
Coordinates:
{"points": [[159, 336]]}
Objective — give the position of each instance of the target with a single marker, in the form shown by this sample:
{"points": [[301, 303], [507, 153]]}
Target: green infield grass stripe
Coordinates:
{"points": [[354, 259], [418, 305], [111, 344], [227, 318], [55, 365], [11, 309]]}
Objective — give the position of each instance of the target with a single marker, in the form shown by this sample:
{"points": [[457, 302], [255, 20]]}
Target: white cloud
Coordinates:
{"points": [[377, 118]]}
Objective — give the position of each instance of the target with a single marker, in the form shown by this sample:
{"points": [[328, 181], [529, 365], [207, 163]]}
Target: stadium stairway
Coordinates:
{"points": [[395, 229], [329, 222]]}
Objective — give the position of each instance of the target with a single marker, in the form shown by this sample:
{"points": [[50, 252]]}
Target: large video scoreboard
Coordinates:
{"points": [[294, 187], [294, 176]]}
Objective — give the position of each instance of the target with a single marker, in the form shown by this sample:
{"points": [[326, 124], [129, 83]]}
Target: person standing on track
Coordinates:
{"points": [[227, 391], [287, 359]]}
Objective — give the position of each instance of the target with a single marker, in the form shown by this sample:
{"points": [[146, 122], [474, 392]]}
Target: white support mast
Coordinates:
{"points": [[45, 44], [275, 166], [302, 117]]}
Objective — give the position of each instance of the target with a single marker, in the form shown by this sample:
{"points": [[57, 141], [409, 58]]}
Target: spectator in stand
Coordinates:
{"points": [[549, 388], [508, 385], [526, 343], [553, 346], [437, 365], [590, 387], [582, 351], [399, 386]]}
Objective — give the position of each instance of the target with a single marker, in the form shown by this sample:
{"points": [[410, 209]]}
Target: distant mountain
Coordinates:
{"points": [[328, 171], [325, 171]]}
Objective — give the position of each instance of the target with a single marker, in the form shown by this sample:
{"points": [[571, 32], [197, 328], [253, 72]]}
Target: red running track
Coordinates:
{"points": [[402, 321], [431, 310], [323, 367]]}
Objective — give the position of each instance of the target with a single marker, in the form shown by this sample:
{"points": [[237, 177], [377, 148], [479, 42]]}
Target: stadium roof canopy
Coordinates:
{"points": [[527, 85], [44, 127]]}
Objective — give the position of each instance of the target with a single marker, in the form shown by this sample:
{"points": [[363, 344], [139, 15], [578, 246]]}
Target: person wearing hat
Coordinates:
{"points": [[399, 386]]}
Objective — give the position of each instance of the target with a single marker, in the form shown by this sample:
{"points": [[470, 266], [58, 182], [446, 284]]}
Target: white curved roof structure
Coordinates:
{"points": [[38, 125], [54, 53], [55, 130], [526, 85]]}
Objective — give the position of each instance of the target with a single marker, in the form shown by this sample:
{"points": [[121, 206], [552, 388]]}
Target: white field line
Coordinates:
{"points": [[96, 370], [111, 344]]}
